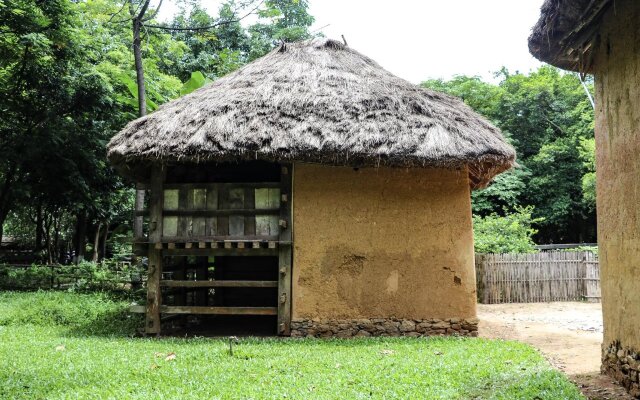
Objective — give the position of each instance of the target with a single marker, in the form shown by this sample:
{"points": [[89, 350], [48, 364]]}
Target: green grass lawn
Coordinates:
{"points": [[77, 347]]}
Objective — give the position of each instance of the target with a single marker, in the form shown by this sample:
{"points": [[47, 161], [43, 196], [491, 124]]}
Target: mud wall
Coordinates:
{"points": [[618, 179], [382, 243]]}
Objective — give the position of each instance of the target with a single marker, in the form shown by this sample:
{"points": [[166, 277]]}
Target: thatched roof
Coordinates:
{"points": [[565, 33], [321, 102]]}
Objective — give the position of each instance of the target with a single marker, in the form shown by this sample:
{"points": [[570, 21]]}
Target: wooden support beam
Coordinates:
{"points": [[220, 252], [225, 283], [219, 185], [219, 310], [285, 250], [210, 310], [211, 213], [154, 296]]}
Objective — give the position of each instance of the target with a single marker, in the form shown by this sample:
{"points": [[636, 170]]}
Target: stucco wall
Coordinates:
{"points": [[382, 243], [618, 171]]}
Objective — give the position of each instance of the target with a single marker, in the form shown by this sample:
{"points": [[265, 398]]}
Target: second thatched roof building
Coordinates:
{"points": [[334, 196]]}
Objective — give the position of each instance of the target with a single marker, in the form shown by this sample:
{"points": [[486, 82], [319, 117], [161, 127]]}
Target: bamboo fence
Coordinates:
{"points": [[538, 277]]}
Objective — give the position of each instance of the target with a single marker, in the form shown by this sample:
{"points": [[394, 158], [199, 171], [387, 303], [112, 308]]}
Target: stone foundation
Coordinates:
{"points": [[623, 365], [384, 327]]}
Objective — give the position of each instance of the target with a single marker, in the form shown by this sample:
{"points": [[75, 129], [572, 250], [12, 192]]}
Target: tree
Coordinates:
{"points": [[280, 21], [549, 120]]}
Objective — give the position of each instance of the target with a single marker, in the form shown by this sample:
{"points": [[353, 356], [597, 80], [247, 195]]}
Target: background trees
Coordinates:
{"points": [[548, 118], [68, 83]]}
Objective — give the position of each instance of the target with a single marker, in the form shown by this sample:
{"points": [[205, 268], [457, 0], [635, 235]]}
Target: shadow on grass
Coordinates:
{"points": [[112, 323]]}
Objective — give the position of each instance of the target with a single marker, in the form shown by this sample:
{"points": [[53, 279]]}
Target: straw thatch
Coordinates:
{"points": [[565, 33], [316, 101]]}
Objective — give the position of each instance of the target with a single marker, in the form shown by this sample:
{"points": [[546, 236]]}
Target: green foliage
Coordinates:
{"points": [[280, 21], [509, 233], [548, 118], [503, 193], [67, 85], [95, 313], [84, 277], [196, 81], [46, 351]]}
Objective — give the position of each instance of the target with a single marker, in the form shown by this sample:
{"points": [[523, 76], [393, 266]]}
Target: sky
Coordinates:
{"points": [[422, 39]]}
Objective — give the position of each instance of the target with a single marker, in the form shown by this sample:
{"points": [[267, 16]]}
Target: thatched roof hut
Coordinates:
{"points": [[374, 172], [564, 35], [316, 101]]}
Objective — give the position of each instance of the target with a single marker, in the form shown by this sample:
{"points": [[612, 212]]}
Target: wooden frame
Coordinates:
{"points": [[285, 253], [154, 296], [278, 242]]}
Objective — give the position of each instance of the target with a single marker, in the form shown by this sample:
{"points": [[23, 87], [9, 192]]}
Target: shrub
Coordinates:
{"points": [[511, 233], [84, 277]]}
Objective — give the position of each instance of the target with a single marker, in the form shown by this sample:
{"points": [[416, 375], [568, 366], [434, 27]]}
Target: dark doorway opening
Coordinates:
{"points": [[229, 282]]}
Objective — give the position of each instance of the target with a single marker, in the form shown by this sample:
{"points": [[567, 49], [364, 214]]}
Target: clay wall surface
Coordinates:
{"points": [[382, 243], [617, 80]]}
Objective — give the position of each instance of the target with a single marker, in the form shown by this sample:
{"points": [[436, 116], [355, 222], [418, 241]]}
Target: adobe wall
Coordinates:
{"points": [[382, 251], [618, 188]]}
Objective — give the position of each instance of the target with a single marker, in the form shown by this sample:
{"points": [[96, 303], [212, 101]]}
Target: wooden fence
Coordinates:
{"points": [[538, 277]]}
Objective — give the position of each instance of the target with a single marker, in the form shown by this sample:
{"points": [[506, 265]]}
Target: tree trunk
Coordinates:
{"points": [[105, 237], [96, 243], [5, 196], [81, 233], [137, 56], [39, 226]]}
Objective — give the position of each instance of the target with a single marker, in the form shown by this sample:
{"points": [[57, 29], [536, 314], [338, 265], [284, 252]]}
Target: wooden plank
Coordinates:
{"points": [[217, 185], [221, 283], [220, 252], [285, 251], [209, 239], [184, 220], [209, 310], [219, 310], [212, 213], [138, 221], [249, 204], [154, 296]]}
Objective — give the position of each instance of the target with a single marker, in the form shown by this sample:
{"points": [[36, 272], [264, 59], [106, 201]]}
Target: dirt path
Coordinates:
{"points": [[568, 334]]}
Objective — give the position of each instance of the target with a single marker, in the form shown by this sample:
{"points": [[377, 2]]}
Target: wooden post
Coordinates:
{"points": [[154, 298], [137, 220], [285, 251]]}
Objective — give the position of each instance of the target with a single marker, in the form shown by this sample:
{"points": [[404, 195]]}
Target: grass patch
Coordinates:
{"points": [[90, 313], [52, 361]]}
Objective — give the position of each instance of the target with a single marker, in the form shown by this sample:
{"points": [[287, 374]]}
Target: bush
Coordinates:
{"points": [[84, 277], [511, 233]]}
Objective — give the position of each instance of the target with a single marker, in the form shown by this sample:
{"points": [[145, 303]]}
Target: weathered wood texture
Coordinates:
{"points": [[214, 284], [538, 277], [210, 310], [154, 295], [285, 250]]}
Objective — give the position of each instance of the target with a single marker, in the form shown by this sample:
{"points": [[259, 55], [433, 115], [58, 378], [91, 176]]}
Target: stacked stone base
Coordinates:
{"points": [[383, 327], [623, 365]]}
